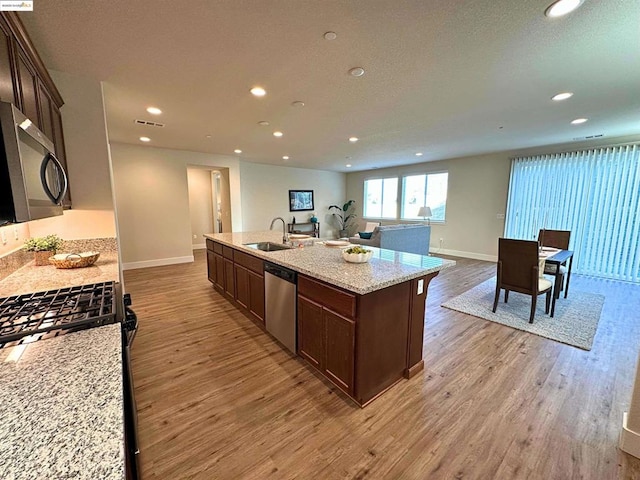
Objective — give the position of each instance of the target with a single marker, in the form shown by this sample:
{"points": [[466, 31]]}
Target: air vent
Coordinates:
{"points": [[588, 137], [148, 124]]}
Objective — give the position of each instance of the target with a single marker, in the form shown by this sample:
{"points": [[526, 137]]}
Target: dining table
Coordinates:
{"points": [[556, 258]]}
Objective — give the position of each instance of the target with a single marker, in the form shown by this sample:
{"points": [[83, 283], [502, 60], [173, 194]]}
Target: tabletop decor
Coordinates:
{"points": [[344, 216], [43, 248], [357, 254]]}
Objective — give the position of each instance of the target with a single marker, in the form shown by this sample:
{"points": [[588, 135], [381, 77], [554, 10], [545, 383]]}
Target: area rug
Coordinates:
{"points": [[575, 320]]}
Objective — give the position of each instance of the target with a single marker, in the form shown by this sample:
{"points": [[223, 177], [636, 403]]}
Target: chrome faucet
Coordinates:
{"points": [[284, 233]]}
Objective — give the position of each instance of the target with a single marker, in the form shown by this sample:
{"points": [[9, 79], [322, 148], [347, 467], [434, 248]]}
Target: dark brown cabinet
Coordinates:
{"points": [[7, 90], [239, 276], [25, 82], [327, 338]]}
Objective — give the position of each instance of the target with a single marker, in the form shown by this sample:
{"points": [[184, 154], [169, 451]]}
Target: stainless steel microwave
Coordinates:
{"points": [[33, 183]]}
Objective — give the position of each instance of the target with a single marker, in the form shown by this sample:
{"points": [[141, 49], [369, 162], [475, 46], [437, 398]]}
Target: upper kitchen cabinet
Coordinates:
{"points": [[25, 82], [7, 92]]}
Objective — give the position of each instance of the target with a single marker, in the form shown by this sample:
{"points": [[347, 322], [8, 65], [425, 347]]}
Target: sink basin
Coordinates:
{"points": [[267, 246]]}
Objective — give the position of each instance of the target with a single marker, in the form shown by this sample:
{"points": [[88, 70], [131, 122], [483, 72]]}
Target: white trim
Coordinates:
{"points": [[157, 263], [458, 253], [199, 246], [629, 440]]}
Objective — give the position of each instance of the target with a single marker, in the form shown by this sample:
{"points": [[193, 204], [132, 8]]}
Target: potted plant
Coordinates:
{"points": [[43, 248], [344, 215]]}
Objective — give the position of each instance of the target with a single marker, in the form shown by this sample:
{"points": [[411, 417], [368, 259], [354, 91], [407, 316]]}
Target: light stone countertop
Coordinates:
{"points": [[35, 279], [386, 268], [62, 408]]}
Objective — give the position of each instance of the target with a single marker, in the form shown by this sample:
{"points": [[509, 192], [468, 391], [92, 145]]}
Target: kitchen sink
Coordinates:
{"points": [[268, 246]]}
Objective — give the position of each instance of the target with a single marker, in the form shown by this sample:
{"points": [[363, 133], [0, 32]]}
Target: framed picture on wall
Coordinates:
{"points": [[300, 200]]}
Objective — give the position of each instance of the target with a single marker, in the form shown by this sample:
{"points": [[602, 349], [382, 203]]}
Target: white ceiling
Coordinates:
{"points": [[448, 78]]}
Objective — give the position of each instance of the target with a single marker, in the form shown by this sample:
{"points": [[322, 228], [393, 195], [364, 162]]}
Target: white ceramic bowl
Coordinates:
{"points": [[357, 257]]}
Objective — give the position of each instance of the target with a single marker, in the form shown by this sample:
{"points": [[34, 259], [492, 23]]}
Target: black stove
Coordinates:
{"points": [[36, 316]]}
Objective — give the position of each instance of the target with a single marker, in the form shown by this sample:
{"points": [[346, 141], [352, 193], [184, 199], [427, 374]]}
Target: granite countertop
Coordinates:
{"points": [[386, 268], [62, 408], [35, 279]]}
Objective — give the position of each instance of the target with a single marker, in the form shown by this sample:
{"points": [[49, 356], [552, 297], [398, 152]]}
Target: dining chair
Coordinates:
{"points": [[518, 271], [556, 239]]}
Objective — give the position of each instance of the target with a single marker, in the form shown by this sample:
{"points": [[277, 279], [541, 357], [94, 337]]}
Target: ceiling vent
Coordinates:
{"points": [[148, 124], [588, 137]]}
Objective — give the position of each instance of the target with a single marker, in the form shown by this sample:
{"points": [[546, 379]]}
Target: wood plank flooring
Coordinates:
{"points": [[219, 399]]}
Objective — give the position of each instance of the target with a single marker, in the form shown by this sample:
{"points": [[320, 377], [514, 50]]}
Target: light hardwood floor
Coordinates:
{"points": [[219, 399]]}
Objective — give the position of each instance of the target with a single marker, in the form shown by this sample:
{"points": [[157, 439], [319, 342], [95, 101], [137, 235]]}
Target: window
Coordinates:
{"points": [[381, 198], [429, 190], [593, 193]]}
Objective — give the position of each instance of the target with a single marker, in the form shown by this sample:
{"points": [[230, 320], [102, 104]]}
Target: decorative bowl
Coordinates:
{"points": [[357, 257], [74, 260]]}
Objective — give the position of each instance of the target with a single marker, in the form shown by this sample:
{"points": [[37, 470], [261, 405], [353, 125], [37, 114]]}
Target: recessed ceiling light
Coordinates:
{"points": [[562, 96], [258, 91], [154, 110], [348, 165], [330, 36], [286, 157], [418, 154], [297, 103], [208, 136], [562, 7], [353, 139], [578, 121], [277, 133], [263, 123], [145, 139], [237, 150], [357, 71]]}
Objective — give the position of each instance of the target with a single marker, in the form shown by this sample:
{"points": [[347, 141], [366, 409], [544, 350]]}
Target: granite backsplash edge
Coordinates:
{"points": [[19, 258]]}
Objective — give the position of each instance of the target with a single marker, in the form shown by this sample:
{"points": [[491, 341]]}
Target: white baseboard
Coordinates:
{"points": [[629, 440], [199, 246], [459, 253], [157, 263]]}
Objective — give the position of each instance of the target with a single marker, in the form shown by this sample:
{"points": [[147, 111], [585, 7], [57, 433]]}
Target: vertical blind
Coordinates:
{"points": [[593, 193]]}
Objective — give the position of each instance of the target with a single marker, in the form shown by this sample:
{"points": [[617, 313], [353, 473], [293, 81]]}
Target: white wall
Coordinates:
{"points": [[152, 201], [200, 205], [477, 192], [265, 195], [86, 145]]}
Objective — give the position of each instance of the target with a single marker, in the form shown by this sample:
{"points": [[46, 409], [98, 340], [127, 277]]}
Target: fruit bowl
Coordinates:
{"points": [[357, 255]]}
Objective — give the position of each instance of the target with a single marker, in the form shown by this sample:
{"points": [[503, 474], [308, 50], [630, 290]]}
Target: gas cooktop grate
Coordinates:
{"points": [[33, 316]]}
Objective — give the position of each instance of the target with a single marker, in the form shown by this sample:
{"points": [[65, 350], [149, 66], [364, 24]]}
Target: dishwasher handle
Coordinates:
{"points": [[281, 272]]}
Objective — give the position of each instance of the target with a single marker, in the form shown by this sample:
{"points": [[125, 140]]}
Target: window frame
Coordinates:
{"points": [[364, 199], [402, 193]]}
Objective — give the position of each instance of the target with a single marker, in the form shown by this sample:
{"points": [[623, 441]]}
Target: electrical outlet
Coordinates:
{"points": [[4, 237], [441, 242], [15, 233], [500, 216], [195, 236]]}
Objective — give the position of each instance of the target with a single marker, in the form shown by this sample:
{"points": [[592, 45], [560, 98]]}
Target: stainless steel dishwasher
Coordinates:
{"points": [[280, 303]]}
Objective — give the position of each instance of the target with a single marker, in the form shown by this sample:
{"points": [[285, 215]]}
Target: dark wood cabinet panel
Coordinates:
{"points": [[211, 266], [341, 301], [46, 121], [256, 295], [242, 295], [219, 279], [340, 335], [7, 90], [311, 332], [28, 87], [229, 278]]}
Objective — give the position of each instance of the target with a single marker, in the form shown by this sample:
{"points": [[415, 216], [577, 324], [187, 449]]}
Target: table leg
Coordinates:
{"points": [[566, 287]]}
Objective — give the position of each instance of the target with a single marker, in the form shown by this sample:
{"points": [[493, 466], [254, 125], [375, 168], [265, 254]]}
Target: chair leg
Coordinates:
{"points": [[547, 302], [534, 299], [553, 305], [506, 296], [496, 298]]}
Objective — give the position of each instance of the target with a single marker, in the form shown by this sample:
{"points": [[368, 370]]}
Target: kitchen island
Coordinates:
{"points": [[359, 325]]}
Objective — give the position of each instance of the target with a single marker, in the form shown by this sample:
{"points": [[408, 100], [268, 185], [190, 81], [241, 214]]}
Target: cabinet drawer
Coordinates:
{"points": [[227, 252], [217, 247], [210, 245], [339, 301], [249, 261]]}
